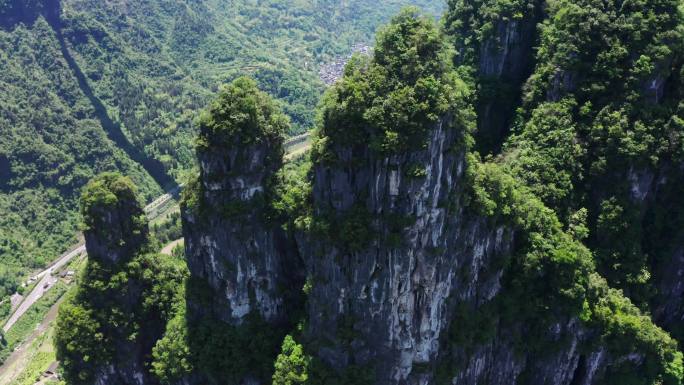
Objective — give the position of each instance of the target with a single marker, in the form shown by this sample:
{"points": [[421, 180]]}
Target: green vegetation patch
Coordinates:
{"points": [[392, 100], [30, 320], [220, 352], [552, 273]]}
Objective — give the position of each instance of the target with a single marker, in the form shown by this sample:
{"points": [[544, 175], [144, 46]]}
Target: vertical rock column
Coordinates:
{"points": [[388, 185], [116, 231], [231, 244], [105, 319], [115, 223]]}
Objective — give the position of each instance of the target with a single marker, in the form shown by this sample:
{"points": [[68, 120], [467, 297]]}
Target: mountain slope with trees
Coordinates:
{"points": [[419, 261], [92, 86]]}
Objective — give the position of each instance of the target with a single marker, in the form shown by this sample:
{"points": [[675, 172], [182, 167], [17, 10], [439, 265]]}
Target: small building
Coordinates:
{"points": [[66, 274]]}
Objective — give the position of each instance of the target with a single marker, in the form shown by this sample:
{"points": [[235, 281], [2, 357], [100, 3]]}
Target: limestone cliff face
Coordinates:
{"points": [[390, 306], [230, 241], [238, 254], [396, 297]]}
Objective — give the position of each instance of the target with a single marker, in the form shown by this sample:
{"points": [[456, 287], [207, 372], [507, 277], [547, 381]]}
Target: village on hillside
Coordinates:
{"points": [[330, 72]]}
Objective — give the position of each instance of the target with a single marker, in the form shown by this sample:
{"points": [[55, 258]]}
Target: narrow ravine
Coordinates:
{"points": [[113, 129]]}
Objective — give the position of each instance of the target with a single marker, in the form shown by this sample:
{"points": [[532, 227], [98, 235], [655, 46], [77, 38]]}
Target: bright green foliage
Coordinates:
{"points": [[51, 144], [611, 59], [220, 352], [241, 115], [544, 250], [547, 155], [393, 100], [112, 305], [626, 330], [291, 365], [600, 110], [292, 202], [606, 51], [121, 303], [80, 343], [171, 355], [114, 223], [108, 192], [552, 272]]}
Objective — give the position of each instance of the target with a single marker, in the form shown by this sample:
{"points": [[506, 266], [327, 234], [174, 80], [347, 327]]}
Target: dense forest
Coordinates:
{"points": [[92, 86], [492, 195], [491, 199]]}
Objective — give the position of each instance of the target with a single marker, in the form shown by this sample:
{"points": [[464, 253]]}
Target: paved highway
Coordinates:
{"points": [[45, 283]]}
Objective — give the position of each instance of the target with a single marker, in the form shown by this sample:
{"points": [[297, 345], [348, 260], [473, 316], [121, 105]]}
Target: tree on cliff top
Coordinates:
{"points": [[114, 223], [241, 115], [392, 100]]}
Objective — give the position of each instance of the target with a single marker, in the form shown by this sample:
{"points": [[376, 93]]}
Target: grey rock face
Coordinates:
{"points": [[393, 296], [389, 306], [229, 243]]}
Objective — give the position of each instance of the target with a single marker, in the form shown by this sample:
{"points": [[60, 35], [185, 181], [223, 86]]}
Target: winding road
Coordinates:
{"points": [[45, 278]]}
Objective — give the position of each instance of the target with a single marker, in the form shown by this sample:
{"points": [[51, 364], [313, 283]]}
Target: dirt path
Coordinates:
{"points": [[297, 150], [168, 249]]}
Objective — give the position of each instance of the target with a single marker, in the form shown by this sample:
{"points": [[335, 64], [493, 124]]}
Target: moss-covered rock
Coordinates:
{"points": [[114, 223]]}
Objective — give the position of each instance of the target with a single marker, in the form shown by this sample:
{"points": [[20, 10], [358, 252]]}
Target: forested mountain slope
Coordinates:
{"points": [[91, 86], [419, 260], [597, 134]]}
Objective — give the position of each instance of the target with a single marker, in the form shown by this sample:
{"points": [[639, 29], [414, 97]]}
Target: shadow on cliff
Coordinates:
{"points": [[113, 129]]}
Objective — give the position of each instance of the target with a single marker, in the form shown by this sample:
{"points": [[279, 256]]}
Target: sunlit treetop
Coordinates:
{"points": [[393, 99], [241, 113]]}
